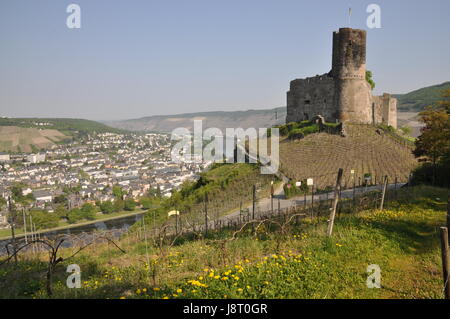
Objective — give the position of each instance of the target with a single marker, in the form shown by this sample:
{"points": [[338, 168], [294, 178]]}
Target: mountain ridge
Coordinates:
{"points": [[414, 102]]}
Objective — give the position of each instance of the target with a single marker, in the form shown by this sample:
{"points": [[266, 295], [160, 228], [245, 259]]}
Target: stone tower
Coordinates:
{"points": [[343, 94], [352, 92]]}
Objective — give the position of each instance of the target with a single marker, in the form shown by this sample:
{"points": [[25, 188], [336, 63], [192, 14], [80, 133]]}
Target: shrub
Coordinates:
{"points": [[107, 207], [88, 211], [118, 205], [290, 189], [43, 219], [130, 204]]}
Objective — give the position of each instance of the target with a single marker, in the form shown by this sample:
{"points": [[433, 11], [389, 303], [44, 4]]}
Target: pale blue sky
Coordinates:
{"points": [[137, 58]]}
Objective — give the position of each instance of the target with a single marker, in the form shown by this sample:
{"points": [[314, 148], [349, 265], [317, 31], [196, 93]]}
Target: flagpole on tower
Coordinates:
{"points": [[349, 16]]}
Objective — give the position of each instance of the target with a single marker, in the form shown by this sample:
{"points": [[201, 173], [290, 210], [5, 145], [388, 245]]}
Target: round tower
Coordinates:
{"points": [[352, 92]]}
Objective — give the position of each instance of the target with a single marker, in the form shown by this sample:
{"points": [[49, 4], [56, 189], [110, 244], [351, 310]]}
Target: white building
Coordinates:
{"points": [[4, 157]]}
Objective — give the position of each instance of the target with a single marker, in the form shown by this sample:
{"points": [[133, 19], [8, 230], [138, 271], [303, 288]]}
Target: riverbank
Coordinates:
{"points": [[5, 234]]}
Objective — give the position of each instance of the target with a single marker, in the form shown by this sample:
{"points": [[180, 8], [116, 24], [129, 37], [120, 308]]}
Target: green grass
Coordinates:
{"points": [[403, 240]]}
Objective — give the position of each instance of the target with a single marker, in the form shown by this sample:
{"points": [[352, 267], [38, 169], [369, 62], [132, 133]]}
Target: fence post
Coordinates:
{"points": [[395, 187], [240, 212], [354, 190], [444, 254], [335, 202], [272, 192], [206, 214], [304, 200], [384, 192], [12, 216], [254, 201], [448, 214]]}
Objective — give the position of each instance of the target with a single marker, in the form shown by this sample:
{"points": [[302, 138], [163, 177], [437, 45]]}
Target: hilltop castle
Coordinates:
{"points": [[343, 94]]}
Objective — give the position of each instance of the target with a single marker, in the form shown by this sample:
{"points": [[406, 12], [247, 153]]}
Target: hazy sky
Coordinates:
{"points": [[137, 58]]}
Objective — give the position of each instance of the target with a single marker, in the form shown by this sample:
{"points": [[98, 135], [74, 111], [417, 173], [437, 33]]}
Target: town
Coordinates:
{"points": [[116, 169]]}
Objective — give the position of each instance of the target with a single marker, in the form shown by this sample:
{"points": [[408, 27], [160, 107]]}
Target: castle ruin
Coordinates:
{"points": [[343, 94]]}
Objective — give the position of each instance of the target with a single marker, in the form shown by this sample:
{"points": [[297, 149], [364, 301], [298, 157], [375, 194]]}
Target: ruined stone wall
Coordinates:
{"points": [[392, 120], [343, 94], [310, 97], [377, 109], [385, 110]]}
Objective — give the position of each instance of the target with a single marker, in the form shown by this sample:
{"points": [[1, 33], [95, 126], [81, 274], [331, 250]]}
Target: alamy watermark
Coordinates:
{"points": [[211, 145], [74, 279], [374, 278], [73, 21], [374, 19]]}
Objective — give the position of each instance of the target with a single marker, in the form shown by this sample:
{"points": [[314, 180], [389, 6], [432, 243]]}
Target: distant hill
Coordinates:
{"points": [[66, 126], [22, 139], [417, 100], [34, 134], [413, 101], [221, 120]]}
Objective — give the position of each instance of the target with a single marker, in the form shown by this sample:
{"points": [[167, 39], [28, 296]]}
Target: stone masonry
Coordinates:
{"points": [[343, 94]]}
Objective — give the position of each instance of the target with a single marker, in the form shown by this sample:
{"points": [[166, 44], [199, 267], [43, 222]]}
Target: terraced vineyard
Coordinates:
{"points": [[366, 149]]}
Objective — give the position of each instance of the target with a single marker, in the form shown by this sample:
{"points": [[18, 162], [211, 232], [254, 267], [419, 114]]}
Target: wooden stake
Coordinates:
{"points": [[444, 254], [206, 214], [254, 201], [12, 215], [335, 202], [384, 192], [448, 214]]}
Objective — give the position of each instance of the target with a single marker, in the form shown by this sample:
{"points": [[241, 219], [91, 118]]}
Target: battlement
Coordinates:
{"points": [[318, 79]]}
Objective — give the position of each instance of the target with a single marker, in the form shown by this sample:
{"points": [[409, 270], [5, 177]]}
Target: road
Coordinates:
{"points": [[264, 205]]}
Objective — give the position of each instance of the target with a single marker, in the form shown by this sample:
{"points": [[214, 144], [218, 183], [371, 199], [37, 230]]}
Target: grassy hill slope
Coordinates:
{"points": [[33, 134], [417, 100], [320, 155], [20, 139], [402, 240]]}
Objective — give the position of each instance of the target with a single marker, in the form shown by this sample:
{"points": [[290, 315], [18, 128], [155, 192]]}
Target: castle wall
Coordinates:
{"points": [[310, 97], [377, 109], [343, 94], [385, 107]]}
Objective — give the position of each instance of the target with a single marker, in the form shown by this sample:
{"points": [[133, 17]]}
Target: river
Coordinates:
{"points": [[115, 228]]}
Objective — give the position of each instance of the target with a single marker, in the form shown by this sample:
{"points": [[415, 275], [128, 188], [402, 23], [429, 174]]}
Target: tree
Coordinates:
{"points": [[369, 79], [107, 207], [434, 142], [145, 202], [445, 104], [88, 211], [74, 215], [2, 202], [43, 219], [118, 191], [130, 204], [118, 205], [61, 211], [406, 130]]}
